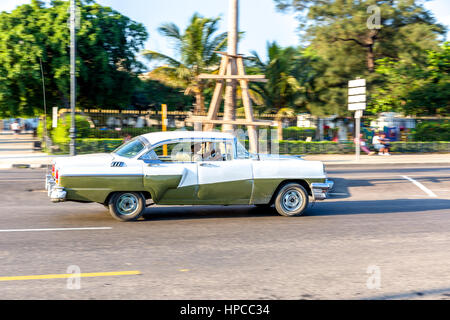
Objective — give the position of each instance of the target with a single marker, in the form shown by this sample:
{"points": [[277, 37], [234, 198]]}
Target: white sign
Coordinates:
{"points": [[357, 106], [356, 91], [55, 117], [357, 83], [357, 94], [358, 98]]}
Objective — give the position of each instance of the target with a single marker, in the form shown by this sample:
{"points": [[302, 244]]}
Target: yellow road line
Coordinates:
{"points": [[70, 275]]}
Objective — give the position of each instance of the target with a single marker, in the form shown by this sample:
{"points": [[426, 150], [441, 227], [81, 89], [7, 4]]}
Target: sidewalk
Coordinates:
{"points": [[18, 150], [350, 159]]}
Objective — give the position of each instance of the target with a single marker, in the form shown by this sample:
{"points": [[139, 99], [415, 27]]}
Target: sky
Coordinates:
{"points": [[258, 18]]}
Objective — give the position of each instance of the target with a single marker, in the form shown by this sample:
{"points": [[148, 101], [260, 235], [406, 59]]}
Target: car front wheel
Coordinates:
{"points": [[127, 206], [291, 200]]}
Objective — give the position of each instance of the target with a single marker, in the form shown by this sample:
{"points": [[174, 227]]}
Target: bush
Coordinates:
{"points": [[326, 147], [115, 134], [60, 134], [40, 128], [296, 133], [419, 147], [432, 131], [89, 145], [314, 147]]}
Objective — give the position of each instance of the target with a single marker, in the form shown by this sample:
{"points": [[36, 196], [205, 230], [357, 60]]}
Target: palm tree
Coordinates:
{"points": [[195, 54], [281, 114], [283, 70]]}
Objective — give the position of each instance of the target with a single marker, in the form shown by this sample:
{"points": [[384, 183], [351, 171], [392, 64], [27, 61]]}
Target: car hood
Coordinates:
{"points": [[81, 160]]}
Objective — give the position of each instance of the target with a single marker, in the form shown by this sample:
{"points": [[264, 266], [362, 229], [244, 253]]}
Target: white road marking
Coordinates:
{"points": [[56, 229], [421, 186]]}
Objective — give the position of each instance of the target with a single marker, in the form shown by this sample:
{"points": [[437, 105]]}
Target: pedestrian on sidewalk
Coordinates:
{"points": [[381, 144], [385, 141], [377, 143], [363, 145], [127, 137], [15, 127]]}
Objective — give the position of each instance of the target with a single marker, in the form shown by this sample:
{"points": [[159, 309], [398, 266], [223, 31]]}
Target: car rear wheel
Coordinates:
{"points": [[127, 206], [291, 200]]}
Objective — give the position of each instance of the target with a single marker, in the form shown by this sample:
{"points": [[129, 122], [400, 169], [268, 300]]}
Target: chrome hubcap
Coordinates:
{"points": [[127, 204], [292, 200]]}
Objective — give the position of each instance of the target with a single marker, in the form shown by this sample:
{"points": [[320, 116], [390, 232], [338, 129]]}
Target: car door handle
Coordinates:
{"points": [[208, 165], [154, 165]]}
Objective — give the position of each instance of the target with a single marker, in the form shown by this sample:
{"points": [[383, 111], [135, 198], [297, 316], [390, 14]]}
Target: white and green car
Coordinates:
{"points": [[187, 168]]}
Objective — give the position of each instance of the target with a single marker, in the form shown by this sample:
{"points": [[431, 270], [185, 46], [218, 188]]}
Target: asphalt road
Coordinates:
{"points": [[384, 234]]}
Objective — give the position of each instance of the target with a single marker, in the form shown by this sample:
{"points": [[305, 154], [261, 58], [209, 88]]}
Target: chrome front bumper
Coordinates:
{"points": [[56, 193], [320, 190]]}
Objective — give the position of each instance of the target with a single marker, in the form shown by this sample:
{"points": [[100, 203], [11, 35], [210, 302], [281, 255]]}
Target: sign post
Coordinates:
{"points": [[357, 103]]}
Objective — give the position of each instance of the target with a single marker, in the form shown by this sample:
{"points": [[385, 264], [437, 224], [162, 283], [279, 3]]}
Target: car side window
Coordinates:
{"points": [[170, 152], [215, 151], [192, 151]]}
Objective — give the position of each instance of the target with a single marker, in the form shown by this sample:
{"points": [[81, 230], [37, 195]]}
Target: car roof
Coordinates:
{"points": [[156, 137]]}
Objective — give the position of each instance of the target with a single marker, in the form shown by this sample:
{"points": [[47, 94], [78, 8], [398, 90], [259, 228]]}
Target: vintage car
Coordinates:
{"points": [[187, 168]]}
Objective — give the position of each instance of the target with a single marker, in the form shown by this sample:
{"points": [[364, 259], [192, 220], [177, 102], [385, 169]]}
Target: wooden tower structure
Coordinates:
{"points": [[231, 73]]}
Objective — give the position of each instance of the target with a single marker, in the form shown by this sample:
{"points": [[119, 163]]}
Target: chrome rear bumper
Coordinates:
{"points": [[320, 190], [56, 193]]}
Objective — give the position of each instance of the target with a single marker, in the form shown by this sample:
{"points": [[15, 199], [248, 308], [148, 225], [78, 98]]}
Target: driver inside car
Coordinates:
{"points": [[213, 153]]}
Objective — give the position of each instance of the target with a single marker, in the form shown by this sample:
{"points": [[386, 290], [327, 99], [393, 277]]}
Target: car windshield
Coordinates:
{"points": [[130, 149]]}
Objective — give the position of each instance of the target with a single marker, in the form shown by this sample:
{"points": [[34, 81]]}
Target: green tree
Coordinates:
{"points": [[290, 77], [154, 93], [282, 89], [107, 43], [195, 54], [349, 39], [413, 88]]}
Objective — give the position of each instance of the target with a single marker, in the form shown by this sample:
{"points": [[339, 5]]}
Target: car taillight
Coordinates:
{"points": [[56, 177], [53, 170]]}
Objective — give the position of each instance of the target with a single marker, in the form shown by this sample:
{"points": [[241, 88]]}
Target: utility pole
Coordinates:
{"points": [[72, 132], [230, 90]]}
